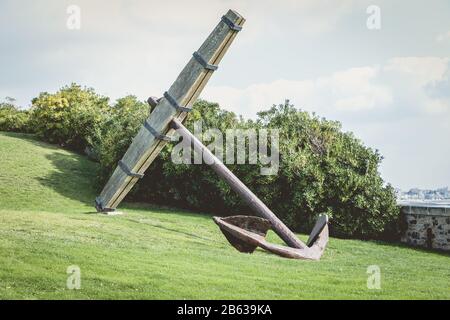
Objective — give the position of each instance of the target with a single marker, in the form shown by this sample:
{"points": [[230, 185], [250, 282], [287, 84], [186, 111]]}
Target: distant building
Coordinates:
{"points": [[419, 194]]}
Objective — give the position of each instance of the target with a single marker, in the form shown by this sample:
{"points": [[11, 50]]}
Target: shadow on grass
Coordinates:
{"points": [[73, 177], [189, 234], [166, 209], [30, 137], [401, 245]]}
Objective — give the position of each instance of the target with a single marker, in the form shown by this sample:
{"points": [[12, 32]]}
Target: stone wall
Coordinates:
{"points": [[427, 226]]}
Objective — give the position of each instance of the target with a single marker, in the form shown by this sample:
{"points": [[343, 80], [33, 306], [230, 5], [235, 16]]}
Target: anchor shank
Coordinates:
{"points": [[238, 186]]}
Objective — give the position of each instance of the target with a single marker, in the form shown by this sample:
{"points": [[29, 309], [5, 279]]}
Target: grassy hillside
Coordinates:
{"points": [[47, 223]]}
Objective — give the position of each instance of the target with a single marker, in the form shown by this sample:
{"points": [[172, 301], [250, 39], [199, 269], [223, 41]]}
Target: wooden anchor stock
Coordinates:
{"points": [[176, 103]]}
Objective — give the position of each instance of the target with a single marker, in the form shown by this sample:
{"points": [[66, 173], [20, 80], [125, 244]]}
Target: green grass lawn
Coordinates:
{"points": [[47, 223]]}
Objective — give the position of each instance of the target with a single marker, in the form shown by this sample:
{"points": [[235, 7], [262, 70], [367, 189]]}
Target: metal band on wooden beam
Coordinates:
{"points": [[203, 62], [174, 103], [155, 133], [231, 24], [127, 170]]}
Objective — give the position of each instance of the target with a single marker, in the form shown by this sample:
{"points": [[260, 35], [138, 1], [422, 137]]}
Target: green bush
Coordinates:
{"points": [[12, 118], [322, 169], [118, 127], [68, 117]]}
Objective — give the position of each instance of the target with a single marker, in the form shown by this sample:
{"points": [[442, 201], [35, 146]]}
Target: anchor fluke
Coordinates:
{"points": [[246, 233]]}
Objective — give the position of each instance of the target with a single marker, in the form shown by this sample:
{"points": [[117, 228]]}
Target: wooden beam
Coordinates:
{"points": [[185, 90]]}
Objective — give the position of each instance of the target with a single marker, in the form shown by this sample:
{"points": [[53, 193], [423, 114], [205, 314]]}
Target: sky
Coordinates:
{"points": [[380, 67]]}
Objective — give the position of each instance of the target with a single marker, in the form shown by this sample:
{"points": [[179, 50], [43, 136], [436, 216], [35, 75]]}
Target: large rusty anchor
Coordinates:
{"points": [[246, 233]]}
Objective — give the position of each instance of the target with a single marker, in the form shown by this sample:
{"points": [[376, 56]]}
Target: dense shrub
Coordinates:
{"points": [[68, 117], [12, 118], [112, 138], [322, 169]]}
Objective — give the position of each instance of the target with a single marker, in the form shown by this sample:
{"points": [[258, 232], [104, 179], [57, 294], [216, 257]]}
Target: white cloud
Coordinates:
{"points": [[423, 70], [402, 82], [349, 90], [311, 17], [135, 46], [418, 81], [356, 90], [443, 37]]}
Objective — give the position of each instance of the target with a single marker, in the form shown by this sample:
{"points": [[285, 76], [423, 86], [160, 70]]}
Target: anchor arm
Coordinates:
{"points": [[239, 187]]}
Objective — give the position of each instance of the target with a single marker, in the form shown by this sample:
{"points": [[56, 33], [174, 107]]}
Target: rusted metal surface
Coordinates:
{"points": [[258, 226], [246, 240]]}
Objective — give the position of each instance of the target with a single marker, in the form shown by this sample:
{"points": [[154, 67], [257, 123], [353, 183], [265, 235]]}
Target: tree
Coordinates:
{"points": [[68, 117], [12, 118], [118, 127], [324, 169]]}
